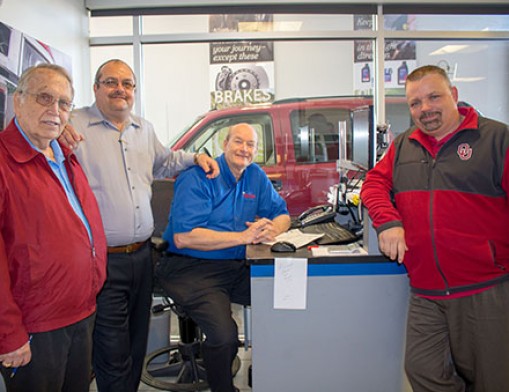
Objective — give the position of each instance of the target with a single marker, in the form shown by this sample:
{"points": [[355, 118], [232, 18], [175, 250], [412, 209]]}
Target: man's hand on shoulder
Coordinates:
{"points": [[392, 243], [70, 137], [208, 164]]}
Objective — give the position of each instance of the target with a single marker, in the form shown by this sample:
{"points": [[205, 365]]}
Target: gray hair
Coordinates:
{"points": [[99, 72], [29, 73]]}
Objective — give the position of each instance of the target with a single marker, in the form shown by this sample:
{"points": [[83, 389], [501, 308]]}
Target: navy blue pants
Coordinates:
{"points": [[61, 361], [122, 322], [205, 289]]}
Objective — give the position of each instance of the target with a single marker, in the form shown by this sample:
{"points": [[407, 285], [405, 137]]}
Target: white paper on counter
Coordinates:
{"points": [[296, 237], [290, 283]]}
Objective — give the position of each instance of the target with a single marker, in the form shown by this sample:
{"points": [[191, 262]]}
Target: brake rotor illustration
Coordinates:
{"points": [[244, 79], [247, 78]]}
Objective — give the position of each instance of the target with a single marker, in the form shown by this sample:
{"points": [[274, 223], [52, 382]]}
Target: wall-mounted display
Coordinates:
{"points": [[18, 52]]}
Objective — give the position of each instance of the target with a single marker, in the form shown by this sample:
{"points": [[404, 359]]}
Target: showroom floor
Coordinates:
{"points": [[241, 378]]}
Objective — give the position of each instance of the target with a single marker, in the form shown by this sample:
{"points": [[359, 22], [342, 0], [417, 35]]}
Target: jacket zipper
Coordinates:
{"points": [[432, 230], [70, 172], [92, 243]]}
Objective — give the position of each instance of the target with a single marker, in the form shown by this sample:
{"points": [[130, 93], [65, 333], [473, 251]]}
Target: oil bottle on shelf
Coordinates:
{"points": [[365, 74], [402, 73]]}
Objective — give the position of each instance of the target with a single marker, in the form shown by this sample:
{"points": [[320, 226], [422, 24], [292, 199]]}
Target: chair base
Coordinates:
{"points": [[182, 372]]}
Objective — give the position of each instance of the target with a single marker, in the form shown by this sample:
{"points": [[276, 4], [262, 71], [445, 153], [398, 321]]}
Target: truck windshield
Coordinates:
{"points": [[184, 131]]}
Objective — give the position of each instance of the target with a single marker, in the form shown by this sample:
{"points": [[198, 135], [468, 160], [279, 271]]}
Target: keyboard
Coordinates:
{"points": [[334, 233]]}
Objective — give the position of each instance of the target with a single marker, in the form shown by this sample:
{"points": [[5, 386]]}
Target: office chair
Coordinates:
{"points": [[183, 369], [179, 366]]}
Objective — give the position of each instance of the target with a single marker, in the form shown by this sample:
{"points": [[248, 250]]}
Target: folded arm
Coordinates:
{"points": [[255, 233]]}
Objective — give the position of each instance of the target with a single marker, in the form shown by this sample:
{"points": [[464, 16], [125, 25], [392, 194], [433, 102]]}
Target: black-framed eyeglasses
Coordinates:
{"points": [[46, 99], [113, 83]]}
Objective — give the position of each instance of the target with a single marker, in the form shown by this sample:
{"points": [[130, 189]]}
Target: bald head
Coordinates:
{"points": [[240, 147]]}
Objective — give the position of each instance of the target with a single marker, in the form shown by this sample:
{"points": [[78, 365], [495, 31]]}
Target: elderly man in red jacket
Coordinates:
{"points": [[52, 243]]}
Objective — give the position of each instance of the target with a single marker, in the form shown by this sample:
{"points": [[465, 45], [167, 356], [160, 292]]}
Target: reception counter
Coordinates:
{"points": [[350, 336]]}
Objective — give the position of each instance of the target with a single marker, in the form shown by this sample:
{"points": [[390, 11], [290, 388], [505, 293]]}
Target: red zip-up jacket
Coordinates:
{"points": [[454, 206], [50, 271]]}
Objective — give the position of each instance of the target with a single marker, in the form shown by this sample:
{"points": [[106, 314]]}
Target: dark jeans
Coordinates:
{"points": [[458, 345], [123, 315], [60, 361], [205, 289]]}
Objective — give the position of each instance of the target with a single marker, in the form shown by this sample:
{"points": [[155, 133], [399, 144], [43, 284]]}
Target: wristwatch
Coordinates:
{"points": [[196, 157]]}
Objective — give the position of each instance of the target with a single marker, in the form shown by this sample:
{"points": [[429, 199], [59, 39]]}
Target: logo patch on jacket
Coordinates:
{"points": [[249, 195], [464, 151]]}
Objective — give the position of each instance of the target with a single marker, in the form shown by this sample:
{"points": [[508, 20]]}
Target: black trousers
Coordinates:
{"points": [[205, 289], [122, 322], [60, 362]]}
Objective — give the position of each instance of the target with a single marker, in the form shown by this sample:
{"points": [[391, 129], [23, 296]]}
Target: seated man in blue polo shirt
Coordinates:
{"points": [[210, 224]]}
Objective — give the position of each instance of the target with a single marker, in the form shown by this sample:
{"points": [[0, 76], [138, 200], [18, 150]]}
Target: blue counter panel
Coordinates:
{"points": [[260, 271]]}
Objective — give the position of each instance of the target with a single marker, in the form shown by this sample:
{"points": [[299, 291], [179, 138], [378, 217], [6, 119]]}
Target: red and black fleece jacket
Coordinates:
{"points": [[452, 201]]}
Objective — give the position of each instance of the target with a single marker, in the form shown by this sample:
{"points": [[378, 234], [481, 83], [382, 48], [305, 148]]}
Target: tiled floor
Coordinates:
{"points": [[241, 378]]}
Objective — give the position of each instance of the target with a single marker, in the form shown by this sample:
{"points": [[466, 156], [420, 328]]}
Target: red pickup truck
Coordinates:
{"points": [[298, 140]]}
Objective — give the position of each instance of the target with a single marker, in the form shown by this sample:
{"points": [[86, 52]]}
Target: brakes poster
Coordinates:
{"points": [[241, 72]]}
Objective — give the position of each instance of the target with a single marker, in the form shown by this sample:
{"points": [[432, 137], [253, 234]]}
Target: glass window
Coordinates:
{"points": [[110, 26], [452, 22], [221, 23], [296, 22], [316, 134], [175, 86], [179, 81], [101, 54], [174, 24], [211, 137]]}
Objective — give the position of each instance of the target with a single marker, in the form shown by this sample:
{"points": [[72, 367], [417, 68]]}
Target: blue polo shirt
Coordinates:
{"points": [[221, 204]]}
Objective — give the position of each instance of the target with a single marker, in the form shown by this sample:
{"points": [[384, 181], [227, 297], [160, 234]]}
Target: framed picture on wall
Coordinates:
{"points": [[19, 51]]}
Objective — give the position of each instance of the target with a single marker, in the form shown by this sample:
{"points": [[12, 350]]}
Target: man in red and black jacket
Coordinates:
{"points": [[439, 203]]}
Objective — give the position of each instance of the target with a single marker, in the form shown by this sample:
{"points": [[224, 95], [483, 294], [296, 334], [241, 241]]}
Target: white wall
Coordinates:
{"points": [[62, 24]]}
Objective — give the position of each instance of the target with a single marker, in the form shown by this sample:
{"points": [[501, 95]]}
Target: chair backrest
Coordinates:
{"points": [[162, 196]]}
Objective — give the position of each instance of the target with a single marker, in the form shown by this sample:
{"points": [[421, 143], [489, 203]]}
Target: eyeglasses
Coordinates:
{"points": [[46, 99], [113, 83]]}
